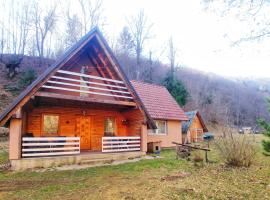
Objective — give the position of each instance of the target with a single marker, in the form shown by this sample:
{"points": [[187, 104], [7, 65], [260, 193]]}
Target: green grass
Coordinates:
{"points": [[3, 156], [144, 180]]}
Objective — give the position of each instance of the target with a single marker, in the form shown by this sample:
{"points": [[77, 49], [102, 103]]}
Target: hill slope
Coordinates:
{"points": [[222, 101]]}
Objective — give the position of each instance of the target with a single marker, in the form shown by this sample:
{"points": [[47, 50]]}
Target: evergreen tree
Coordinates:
{"points": [[177, 89], [266, 126]]}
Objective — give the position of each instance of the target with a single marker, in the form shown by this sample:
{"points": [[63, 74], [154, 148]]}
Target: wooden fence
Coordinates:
{"points": [[120, 144], [50, 146]]}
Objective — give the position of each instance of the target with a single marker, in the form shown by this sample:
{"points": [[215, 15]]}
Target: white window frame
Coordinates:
{"points": [[156, 131]]}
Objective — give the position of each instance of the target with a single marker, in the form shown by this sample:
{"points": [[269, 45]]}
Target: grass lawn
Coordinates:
{"points": [[143, 180]]}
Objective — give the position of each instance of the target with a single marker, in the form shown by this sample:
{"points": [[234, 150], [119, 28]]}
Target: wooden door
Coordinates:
{"points": [[83, 130]]}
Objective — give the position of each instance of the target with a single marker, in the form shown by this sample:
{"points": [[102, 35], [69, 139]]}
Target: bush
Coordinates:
{"points": [[27, 77], [236, 150]]}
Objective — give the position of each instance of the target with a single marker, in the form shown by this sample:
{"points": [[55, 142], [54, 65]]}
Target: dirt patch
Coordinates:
{"points": [[15, 185], [179, 175]]}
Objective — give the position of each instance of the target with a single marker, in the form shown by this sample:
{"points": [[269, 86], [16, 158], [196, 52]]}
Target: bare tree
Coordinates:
{"points": [[172, 55], [254, 13], [92, 14], [125, 43], [15, 26], [44, 23], [24, 27], [141, 32], [124, 49], [74, 29]]}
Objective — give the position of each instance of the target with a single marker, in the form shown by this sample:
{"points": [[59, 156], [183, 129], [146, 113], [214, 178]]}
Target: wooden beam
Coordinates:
{"points": [[18, 113], [85, 99], [192, 147], [96, 59], [95, 62], [101, 58]]}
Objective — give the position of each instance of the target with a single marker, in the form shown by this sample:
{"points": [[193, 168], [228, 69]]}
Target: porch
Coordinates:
{"points": [[61, 146]]}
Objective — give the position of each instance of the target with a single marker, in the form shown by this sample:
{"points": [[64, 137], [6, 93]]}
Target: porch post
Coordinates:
{"points": [[144, 138], [15, 137]]}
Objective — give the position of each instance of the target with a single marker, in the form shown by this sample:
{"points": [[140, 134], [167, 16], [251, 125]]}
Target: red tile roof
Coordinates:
{"points": [[158, 101]]}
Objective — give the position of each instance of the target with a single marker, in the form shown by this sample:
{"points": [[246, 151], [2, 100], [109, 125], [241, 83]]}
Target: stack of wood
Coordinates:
{"points": [[183, 151]]}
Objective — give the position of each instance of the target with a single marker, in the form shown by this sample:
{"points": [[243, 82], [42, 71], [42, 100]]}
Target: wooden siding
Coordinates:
{"points": [[174, 134], [67, 122], [135, 120], [196, 124]]}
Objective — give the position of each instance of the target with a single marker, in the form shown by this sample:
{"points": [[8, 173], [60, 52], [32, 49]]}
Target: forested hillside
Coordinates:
{"points": [[33, 34], [237, 102]]}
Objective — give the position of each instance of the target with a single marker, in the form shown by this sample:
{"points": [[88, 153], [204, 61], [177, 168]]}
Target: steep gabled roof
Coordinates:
{"points": [[36, 85], [158, 101], [191, 115]]}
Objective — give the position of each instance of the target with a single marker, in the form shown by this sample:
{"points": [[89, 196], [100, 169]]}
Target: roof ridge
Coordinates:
{"points": [[152, 84]]}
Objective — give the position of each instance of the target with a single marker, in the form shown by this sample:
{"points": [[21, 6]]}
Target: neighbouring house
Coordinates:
{"points": [[164, 110], [194, 128], [83, 109]]}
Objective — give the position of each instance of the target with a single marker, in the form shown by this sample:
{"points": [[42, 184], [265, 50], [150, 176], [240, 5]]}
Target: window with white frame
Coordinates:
{"points": [[161, 128]]}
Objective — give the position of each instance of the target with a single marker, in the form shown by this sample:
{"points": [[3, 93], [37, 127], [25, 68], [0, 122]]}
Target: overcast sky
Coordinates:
{"points": [[203, 38]]}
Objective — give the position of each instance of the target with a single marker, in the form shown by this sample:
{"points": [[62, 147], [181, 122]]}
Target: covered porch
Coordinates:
{"points": [[48, 128], [60, 146]]}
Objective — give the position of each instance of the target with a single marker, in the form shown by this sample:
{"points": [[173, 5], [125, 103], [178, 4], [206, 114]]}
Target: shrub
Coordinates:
{"points": [[27, 77], [236, 150]]}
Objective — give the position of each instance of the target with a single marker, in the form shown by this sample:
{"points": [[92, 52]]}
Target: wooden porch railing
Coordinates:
{"points": [[120, 144], [50, 146]]}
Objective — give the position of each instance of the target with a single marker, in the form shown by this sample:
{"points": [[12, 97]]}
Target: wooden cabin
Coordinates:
{"points": [[81, 108], [194, 128]]}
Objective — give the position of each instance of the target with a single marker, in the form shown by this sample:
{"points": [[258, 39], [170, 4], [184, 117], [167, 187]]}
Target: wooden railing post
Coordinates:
{"points": [[144, 138], [15, 136]]}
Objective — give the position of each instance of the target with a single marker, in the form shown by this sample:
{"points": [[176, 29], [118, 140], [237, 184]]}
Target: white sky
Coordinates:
{"points": [[199, 36]]}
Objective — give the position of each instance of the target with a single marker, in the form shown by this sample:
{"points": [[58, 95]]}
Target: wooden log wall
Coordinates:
{"points": [[67, 122]]}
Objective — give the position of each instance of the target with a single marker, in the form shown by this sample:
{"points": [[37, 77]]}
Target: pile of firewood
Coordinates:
{"points": [[183, 152]]}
